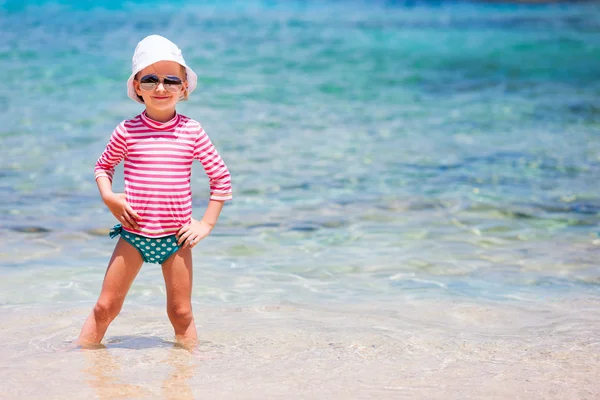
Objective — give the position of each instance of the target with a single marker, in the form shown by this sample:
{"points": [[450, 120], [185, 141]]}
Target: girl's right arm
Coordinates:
{"points": [[117, 204], [115, 151]]}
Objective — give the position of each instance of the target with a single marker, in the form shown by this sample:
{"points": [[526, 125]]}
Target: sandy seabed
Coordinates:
{"points": [[449, 349]]}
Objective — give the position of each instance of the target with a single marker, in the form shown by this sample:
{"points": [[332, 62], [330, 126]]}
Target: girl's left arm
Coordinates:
{"points": [[220, 191], [214, 166]]}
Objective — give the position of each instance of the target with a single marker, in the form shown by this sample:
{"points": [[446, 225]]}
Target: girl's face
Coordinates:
{"points": [[158, 85]]}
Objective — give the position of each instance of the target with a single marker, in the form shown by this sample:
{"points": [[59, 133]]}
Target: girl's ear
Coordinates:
{"points": [[184, 94], [136, 86], [138, 90], [184, 91]]}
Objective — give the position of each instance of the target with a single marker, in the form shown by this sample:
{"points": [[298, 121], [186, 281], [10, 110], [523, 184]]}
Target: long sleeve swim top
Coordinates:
{"points": [[158, 168]]}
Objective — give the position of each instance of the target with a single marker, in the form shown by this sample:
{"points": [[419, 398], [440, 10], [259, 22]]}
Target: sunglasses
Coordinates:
{"points": [[171, 83]]}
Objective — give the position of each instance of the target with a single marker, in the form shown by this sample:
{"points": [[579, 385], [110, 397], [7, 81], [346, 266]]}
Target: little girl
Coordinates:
{"points": [[155, 212]]}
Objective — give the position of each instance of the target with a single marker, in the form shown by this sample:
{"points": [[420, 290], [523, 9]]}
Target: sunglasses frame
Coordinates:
{"points": [[175, 85]]}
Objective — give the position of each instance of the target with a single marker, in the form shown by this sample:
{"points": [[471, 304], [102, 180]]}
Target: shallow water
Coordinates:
{"points": [[409, 349], [415, 209]]}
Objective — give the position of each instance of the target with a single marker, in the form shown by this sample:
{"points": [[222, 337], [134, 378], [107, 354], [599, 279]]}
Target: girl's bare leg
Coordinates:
{"points": [[177, 271], [123, 267]]}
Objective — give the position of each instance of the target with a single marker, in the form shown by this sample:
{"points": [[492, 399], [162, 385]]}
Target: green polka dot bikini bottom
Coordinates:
{"points": [[153, 250]]}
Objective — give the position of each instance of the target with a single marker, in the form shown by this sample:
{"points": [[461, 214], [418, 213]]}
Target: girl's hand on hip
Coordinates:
{"points": [[190, 235], [118, 206]]}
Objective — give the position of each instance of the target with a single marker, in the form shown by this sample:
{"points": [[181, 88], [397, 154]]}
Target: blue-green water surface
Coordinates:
{"points": [[376, 149]]}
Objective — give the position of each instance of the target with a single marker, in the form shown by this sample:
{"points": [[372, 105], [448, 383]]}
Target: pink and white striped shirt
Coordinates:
{"points": [[157, 169]]}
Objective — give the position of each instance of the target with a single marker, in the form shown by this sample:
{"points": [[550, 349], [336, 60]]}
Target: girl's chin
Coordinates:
{"points": [[162, 105]]}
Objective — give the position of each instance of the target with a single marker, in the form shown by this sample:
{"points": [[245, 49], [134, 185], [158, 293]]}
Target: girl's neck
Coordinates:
{"points": [[161, 115]]}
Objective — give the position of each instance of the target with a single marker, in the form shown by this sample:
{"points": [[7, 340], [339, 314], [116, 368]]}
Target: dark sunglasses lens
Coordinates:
{"points": [[149, 79], [172, 80]]}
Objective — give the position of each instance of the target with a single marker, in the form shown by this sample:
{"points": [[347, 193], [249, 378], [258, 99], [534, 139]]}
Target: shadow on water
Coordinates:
{"points": [[109, 372], [138, 342]]}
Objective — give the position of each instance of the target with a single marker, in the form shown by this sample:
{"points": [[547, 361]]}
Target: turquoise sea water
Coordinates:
{"points": [[386, 156]]}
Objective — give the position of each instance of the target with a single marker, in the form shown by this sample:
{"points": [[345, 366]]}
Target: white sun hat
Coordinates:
{"points": [[155, 48]]}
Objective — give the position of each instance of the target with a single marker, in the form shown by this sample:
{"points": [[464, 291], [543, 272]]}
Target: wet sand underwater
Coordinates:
{"points": [[402, 349]]}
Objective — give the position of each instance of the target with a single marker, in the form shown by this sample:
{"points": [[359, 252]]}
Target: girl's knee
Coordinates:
{"points": [[107, 309], [182, 313]]}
